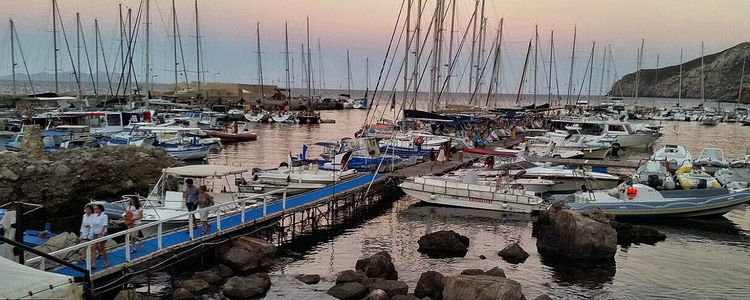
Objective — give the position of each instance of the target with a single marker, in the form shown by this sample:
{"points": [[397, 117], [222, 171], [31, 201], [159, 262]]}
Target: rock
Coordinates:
{"points": [[60, 241], [443, 244], [182, 294], [377, 295], [472, 272], [481, 287], [405, 297], [210, 276], [262, 252], [496, 271], [8, 174], [575, 237], [514, 254], [309, 278], [379, 265], [223, 271], [32, 141], [246, 287], [482, 257], [636, 234], [543, 297], [194, 285], [391, 287], [240, 260], [351, 276], [63, 170], [430, 284], [348, 291]]}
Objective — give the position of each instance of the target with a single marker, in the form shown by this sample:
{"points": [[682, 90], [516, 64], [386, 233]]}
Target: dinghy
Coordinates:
{"points": [[711, 160], [675, 155]]}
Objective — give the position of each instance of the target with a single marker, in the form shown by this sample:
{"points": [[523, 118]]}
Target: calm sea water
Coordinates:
{"points": [[701, 258]]}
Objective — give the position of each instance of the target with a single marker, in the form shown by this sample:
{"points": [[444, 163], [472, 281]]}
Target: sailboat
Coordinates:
{"points": [[309, 116]]}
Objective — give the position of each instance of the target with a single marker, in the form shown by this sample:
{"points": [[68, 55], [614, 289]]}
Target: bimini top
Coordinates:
{"points": [[201, 171]]}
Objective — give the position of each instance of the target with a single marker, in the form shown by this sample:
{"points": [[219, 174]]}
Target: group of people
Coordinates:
{"points": [[94, 226], [198, 197]]}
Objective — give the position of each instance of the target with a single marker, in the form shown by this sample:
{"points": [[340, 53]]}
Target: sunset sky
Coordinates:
{"points": [[365, 26]]}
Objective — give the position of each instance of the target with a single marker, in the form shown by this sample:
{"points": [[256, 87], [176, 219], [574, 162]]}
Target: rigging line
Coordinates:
{"points": [[455, 59], [385, 59], [88, 60], [421, 51], [67, 45], [585, 73], [106, 68], [23, 58], [481, 74]]}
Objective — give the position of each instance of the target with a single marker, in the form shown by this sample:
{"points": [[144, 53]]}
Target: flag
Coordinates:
{"points": [[393, 101]]}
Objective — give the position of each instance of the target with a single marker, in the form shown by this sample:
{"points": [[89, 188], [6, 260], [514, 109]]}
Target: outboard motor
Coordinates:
{"points": [[654, 181], [702, 184]]}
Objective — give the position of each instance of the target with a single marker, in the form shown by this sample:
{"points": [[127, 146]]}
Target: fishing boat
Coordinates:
{"points": [[643, 201], [451, 192], [711, 160], [188, 152]]}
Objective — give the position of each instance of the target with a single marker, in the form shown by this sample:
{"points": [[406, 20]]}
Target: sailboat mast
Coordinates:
{"points": [[96, 56], [473, 46], [367, 72], [742, 78], [148, 50], [591, 69], [572, 60], [322, 80], [78, 51], [480, 52], [407, 48], [348, 75], [656, 75], [309, 63], [679, 88], [549, 78], [286, 59], [174, 44], [450, 48], [197, 53], [703, 85], [260, 62], [523, 74], [13, 60], [536, 55], [417, 51], [638, 72], [54, 41], [604, 63]]}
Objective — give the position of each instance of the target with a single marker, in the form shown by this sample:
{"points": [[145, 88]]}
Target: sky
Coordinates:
{"points": [[364, 27]]}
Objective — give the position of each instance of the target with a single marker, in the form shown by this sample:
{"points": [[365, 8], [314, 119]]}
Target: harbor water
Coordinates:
{"points": [[701, 258]]}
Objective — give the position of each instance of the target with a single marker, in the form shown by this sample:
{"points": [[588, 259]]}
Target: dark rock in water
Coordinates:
{"points": [[246, 287], [543, 297], [348, 291], [249, 254], [309, 278], [390, 287], [575, 237], [223, 271], [195, 285], [636, 234], [514, 254], [405, 297], [481, 287], [380, 265], [210, 276], [482, 257], [351, 276], [430, 284], [377, 295], [444, 243], [496, 271], [472, 272], [182, 294]]}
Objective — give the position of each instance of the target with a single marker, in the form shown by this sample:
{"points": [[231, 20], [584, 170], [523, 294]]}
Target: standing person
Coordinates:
{"points": [[205, 200], [99, 229], [432, 158], [441, 155], [191, 199], [133, 216], [86, 234]]}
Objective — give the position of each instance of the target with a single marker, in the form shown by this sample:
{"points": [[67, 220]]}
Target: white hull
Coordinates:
{"points": [[472, 202], [637, 140]]}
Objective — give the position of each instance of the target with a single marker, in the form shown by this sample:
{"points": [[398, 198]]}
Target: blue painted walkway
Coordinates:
{"points": [[117, 256]]}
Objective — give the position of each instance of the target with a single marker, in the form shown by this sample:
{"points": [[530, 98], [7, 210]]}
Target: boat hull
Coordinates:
{"points": [[233, 137], [678, 208], [471, 202]]}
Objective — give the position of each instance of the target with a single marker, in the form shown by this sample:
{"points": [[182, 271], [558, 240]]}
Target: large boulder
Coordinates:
{"points": [[391, 287], [351, 276], [472, 272], [514, 254], [249, 254], [405, 297], [496, 271], [481, 287], [223, 271], [348, 291], [246, 287], [182, 294], [209, 276], [377, 295], [444, 243], [636, 234], [575, 237], [379, 265], [430, 284], [194, 285], [309, 278]]}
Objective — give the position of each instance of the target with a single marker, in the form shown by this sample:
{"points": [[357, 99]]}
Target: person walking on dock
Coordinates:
{"points": [[86, 233], [99, 229], [205, 201], [191, 199], [132, 218], [441, 155]]}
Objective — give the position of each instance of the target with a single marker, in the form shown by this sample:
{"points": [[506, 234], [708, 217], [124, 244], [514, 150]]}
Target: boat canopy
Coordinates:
{"points": [[25, 281], [202, 171]]}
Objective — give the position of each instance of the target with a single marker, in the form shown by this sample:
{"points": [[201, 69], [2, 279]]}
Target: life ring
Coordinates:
{"points": [[631, 192]]}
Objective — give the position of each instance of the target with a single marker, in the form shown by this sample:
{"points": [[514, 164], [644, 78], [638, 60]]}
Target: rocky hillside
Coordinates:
{"points": [[722, 72]]}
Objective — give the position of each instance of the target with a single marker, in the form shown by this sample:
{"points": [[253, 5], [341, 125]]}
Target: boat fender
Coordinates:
{"points": [[631, 192], [432, 196]]}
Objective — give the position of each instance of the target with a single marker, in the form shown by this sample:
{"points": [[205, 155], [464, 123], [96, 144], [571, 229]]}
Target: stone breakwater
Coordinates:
{"points": [[64, 181]]}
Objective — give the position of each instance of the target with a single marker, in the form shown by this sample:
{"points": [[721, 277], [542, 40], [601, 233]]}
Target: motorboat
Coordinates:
{"points": [[310, 173], [737, 175], [188, 152], [675, 155], [711, 160], [234, 134], [654, 174], [644, 201], [624, 133], [258, 116], [446, 191], [691, 178], [283, 117], [709, 120]]}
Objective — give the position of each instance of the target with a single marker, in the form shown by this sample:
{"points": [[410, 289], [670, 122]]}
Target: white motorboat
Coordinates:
{"points": [[284, 174], [654, 174], [737, 175], [188, 152], [624, 133], [283, 117], [644, 201], [445, 191], [259, 116], [709, 120], [711, 160], [675, 155]]}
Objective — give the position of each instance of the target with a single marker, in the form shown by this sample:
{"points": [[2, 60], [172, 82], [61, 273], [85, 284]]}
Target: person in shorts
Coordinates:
{"points": [[191, 199], [86, 234]]}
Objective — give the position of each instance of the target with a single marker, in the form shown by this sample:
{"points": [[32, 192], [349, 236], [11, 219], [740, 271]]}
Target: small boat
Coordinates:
{"points": [[257, 116], [308, 118], [737, 175], [188, 152], [233, 137], [675, 155], [691, 178], [654, 174], [709, 120], [283, 117], [642, 201], [711, 160], [446, 191]]}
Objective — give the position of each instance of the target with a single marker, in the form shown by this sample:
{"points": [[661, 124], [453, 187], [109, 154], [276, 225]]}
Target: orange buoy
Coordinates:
{"points": [[631, 192]]}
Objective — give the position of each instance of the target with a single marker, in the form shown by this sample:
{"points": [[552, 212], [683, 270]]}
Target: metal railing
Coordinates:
{"points": [[241, 202]]}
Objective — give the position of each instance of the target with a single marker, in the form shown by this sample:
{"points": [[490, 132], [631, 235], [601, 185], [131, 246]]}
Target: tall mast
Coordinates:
{"points": [[480, 53], [309, 63], [435, 59], [54, 41], [742, 78], [96, 56], [703, 85], [523, 74], [549, 78], [286, 59], [78, 52], [148, 50], [367, 72], [13, 60], [417, 51], [260, 62], [122, 39], [638, 72], [604, 63], [656, 75], [174, 44], [572, 60], [473, 47], [536, 54], [197, 53], [348, 74], [591, 69], [303, 65], [407, 48], [679, 88], [499, 59], [322, 80], [450, 48]]}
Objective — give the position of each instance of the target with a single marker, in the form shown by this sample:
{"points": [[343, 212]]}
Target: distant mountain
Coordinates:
{"points": [[722, 77]]}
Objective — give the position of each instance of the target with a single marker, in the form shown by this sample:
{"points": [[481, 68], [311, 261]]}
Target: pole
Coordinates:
{"points": [[703, 85], [742, 78], [450, 48], [174, 44], [148, 50], [309, 63], [536, 54], [78, 53], [591, 69], [260, 62], [679, 88], [523, 74], [286, 59], [407, 46], [320, 66], [54, 42], [656, 76], [549, 78], [348, 74], [197, 53], [417, 37], [604, 63], [473, 47], [572, 60], [96, 56], [13, 60], [638, 72]]}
